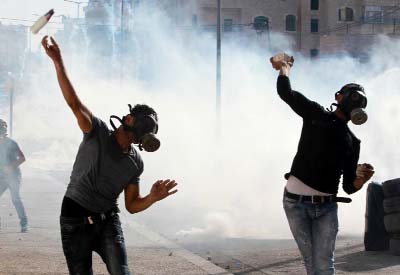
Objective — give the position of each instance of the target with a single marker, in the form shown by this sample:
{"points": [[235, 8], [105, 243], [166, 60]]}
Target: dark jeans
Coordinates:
{"points": [[13, 183], [314, 228], [80, 239]]}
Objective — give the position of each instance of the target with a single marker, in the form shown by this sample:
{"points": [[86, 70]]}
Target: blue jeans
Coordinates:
{"points": [[314, 227], [13, 183], [80, 239]]}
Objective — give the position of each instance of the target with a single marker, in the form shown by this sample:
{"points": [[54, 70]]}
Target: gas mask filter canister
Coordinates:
{"points": [[353, 103], [144, 130]]}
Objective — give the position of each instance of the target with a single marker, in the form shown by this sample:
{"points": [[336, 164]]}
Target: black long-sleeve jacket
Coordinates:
{"points": [[327, 148]]}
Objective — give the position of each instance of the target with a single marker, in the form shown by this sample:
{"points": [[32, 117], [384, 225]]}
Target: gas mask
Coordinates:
{"points": [[3, 128], [144, 130], [353, 103]]}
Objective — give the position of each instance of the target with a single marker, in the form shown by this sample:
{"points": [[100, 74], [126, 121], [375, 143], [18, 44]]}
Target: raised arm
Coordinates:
{"points": [[82, 114], [298, 102]]}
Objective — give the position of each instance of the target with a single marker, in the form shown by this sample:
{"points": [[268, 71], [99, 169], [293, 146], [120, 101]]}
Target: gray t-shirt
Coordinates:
{"points": [[101, 170], [9, 153]]}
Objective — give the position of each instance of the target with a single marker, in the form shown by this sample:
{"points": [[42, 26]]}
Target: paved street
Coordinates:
{"points": [[39, 251]]}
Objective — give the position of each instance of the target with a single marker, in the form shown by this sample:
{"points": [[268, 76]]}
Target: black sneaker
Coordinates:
{"points": [[24, 229]]}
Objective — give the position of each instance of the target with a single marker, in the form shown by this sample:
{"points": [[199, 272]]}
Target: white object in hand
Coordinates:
{"points": [[41, 22]]}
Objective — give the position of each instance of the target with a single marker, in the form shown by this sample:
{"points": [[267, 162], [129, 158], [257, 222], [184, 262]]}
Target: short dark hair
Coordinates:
{"points": [[351, 87], [143, 109]]}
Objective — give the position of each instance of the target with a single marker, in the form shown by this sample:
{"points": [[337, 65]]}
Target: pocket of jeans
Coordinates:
{"points": [[329, 207], [289, 203], [70, 228], [114, 229], [117, 224]]}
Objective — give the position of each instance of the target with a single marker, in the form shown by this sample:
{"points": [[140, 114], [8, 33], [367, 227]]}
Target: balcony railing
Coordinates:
{"points": [[225, 28], [380, 20]]}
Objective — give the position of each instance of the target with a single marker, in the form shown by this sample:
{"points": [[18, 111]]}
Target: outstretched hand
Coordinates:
{"points": [[162, 189], [52, 50]]}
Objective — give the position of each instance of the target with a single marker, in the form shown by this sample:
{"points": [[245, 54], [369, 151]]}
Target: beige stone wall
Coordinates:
{"points": [[244, 11], [333, 34]]}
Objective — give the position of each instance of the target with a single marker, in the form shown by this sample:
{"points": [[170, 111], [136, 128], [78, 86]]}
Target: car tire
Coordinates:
{"points": [[395, 246], [391, 205], [392, 222], [375, 236], [391, 188]]}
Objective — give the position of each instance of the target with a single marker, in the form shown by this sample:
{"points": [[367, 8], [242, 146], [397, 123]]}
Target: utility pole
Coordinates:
{"points": [[11, 108], [218, 76], [12, 83], [122, 48]]}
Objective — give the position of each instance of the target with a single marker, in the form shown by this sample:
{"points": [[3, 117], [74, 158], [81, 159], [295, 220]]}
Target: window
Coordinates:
{"points": [[314, 4], [346, 14], [314, 25], [261, 23], [314, 53], [290, 23], [228, 23], [373, 14]]}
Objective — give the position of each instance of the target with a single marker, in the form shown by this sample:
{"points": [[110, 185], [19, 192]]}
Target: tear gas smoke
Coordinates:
{"points": [[232, 185]]}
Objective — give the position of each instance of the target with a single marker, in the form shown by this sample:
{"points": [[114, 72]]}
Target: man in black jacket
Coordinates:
{"points": [[327, 150]]}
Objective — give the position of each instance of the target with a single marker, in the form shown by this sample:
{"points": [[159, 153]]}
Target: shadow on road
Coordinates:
{"points": [[261, 268], [366, 261], [358, 261]]}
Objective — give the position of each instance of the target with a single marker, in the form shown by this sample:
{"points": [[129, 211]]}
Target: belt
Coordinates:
{"points": [[316, 199], [99, 217]]}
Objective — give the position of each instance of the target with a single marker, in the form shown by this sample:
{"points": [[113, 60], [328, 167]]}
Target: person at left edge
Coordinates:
{"points": [[105, 166], [11, 157]]}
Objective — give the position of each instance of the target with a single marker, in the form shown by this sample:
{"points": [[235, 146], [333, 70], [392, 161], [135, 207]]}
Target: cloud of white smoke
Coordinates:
{"points": [[230, 185]]}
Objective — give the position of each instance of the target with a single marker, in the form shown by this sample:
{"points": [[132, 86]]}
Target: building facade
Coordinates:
{"points": [[314, 26]]}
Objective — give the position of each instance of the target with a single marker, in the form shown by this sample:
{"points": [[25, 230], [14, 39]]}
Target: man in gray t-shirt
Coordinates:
{"points": [[106, 165]]}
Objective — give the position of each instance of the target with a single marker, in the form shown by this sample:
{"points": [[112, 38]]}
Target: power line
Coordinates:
{"points": [[25, 20], [57, 23]]}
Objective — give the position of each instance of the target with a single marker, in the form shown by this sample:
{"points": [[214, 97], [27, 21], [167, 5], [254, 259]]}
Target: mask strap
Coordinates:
{"points": [[330, 109], [112, 123]]}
